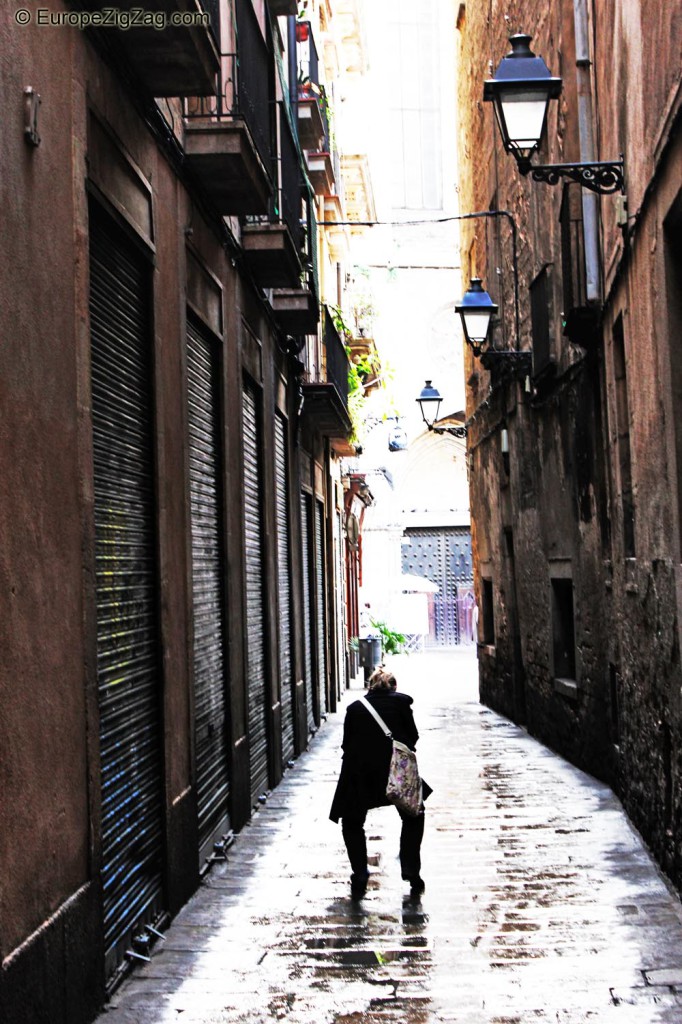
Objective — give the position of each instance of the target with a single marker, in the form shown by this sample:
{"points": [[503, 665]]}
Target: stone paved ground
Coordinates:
{"points": [[542, 905]]}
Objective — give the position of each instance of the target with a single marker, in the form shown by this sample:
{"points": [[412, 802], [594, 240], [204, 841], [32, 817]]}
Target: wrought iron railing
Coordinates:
{"points": [[246, 87], [288, 198], [336, 358], [308, 59], [312, 248]]}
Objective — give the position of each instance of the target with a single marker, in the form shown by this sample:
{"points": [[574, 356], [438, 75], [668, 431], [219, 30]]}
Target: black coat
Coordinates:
{"points": [[367, 751]]}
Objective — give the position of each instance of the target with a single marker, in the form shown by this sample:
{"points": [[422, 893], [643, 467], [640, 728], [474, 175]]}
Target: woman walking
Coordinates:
{"points": [[363, 778]]}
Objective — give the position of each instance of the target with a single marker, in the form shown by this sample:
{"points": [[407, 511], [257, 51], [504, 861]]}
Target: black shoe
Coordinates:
{"points": [[358, 885], [417, 885]]}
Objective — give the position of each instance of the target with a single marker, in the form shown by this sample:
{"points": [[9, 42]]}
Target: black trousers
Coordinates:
{"points": [[353, 829]]}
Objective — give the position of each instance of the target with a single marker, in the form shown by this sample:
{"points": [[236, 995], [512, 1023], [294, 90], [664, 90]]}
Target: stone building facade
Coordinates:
{"points": [[575, 472], [174, 405]]}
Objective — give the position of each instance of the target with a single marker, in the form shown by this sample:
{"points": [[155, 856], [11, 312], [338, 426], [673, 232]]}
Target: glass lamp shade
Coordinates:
{"points": [[429, 402], [521, 117], [476, 310], [521, 91]]}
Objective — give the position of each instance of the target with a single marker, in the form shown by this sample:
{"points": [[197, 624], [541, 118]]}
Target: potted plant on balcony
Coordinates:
{"points": [[302, 31], [307, 89]]}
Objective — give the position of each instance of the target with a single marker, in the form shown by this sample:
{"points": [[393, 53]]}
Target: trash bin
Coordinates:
{"points": [[369, 649]]}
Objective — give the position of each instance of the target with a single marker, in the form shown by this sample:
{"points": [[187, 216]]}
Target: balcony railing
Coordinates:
{"points": [[245, 86], [289, 195], [307, 56], [336, 358], [312, 247]]}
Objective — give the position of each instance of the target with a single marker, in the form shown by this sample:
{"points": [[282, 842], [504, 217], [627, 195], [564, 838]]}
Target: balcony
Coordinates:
{"points": [[325, 401], [297, 309], [322, 163], [272, 245], [320, 172], [309, 99], [282, 7], [358, 189], [229, 137], [174, 61]]}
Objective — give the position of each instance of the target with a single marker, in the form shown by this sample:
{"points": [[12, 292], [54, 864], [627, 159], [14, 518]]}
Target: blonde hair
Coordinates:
{"points": [[381, 679]]}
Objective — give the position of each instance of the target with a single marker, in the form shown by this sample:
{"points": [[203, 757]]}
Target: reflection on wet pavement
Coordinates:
{"points": [[541, 905]]}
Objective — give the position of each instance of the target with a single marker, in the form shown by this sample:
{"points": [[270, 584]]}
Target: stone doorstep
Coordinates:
{"points": [[645, 996], [670, 976]]}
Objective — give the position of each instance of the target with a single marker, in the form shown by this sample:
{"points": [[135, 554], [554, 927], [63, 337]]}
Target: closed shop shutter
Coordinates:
{"points": [[207, 587], [321, 619], [255, 618], [128, 672], [284, 587], [307, 609]]}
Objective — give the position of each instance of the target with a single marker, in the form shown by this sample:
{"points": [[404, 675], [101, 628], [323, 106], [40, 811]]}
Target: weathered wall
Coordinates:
{"points": [[50, 832], [561, 501]]}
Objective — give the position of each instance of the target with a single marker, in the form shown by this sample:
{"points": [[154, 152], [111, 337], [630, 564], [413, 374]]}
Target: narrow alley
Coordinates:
{"points": [[541, 902]]}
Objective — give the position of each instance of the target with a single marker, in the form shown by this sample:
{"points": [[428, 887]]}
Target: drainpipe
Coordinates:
{"points": [[587, 149]]}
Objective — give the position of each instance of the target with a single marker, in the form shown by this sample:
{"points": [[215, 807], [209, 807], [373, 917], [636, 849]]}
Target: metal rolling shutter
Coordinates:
{"points": [[255, 619], [207, 587], [284, 587], [307, 610], [126, 588], [321, 621], [339, 590]]}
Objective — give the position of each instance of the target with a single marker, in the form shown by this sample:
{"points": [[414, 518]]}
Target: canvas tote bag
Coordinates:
{"points": [[404, 786]]}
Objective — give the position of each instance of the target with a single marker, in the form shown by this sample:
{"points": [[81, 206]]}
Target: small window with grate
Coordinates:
{"points": [[488, 613], [563, 628]]}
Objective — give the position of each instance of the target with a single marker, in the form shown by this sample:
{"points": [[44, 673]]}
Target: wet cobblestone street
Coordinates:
{"points": [[541, 903]]}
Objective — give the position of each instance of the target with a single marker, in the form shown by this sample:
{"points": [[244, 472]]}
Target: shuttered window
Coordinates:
{"points": [[207, 586], [320, 607], [306, 536], [126, 587], [255, 617], [284, 586]]}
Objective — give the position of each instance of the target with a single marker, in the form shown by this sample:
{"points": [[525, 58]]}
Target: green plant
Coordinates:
{"points": [[392, 642]]}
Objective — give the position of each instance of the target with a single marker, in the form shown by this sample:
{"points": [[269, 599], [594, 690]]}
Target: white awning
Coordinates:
{"points": [[417, 584]]}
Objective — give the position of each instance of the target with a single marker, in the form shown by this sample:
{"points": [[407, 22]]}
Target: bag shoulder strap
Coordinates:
{"points": [[375, 714]]}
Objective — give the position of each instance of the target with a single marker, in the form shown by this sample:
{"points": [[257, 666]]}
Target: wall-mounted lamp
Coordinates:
{"points": [[520, 91], [478, 312], [429, 402]]}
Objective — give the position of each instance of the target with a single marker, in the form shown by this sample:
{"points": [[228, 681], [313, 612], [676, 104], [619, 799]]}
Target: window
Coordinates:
{"points": [[623, 439], [563, 628], [539, 318], [673, 267], [415, 108], [572, 251], [488, 637]]}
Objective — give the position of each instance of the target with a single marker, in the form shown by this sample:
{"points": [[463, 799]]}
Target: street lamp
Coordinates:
{"points": [[429, 403], [477, 310], [520, 91]]}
